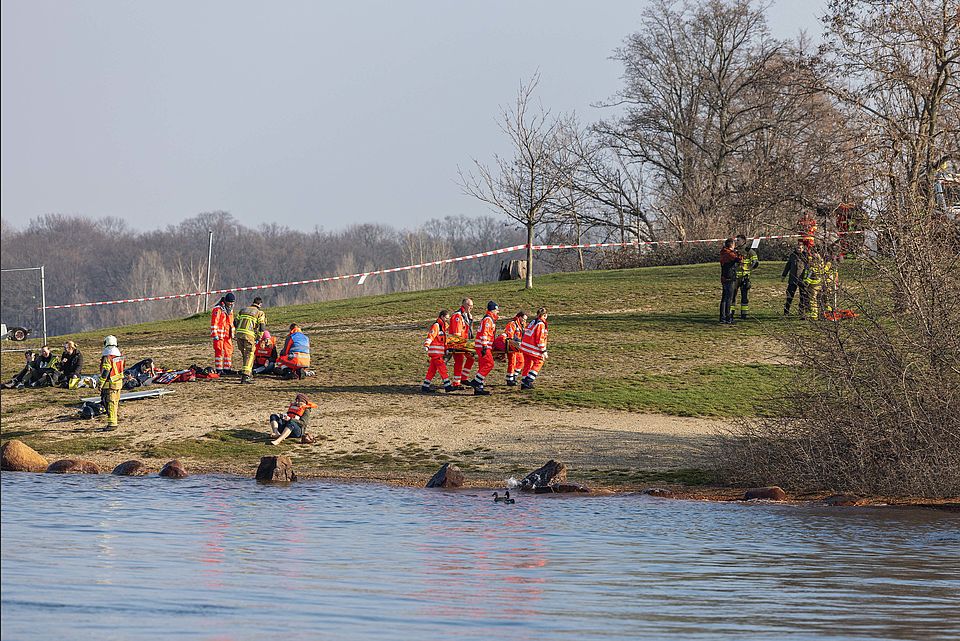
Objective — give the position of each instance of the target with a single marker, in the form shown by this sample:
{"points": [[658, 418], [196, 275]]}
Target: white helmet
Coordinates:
{"points": [[110, 341]]}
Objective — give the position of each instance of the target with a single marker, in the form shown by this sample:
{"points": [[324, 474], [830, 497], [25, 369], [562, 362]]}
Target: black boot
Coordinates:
{"points": [[479, 391], [526, 384], [511, 382], [426, 389]]}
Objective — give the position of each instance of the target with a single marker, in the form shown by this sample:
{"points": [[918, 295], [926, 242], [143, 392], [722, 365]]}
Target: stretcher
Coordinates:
{"points": [[132, 396]]}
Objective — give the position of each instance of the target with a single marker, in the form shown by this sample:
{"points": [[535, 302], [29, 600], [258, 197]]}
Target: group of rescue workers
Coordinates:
{"points": [[522, 344], [808, 272], [258, 348]]}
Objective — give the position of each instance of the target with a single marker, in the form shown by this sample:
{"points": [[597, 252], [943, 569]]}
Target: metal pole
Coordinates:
{"points": [[43, 302], [206, 297]]}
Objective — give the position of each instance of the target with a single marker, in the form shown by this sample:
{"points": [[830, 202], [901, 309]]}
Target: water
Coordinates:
{"points": [[217, 558]]}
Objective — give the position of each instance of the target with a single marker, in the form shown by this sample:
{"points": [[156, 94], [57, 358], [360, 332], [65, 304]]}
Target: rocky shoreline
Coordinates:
{"points": [[550, 479]]}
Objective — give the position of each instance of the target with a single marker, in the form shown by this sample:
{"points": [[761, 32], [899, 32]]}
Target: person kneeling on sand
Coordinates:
{"points": [[294, 423]]}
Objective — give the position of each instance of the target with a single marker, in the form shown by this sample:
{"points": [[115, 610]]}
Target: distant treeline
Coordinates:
{"points": [[92, 260]]}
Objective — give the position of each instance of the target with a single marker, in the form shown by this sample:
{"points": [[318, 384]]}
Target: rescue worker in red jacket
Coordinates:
{"points": [[111, 380], [512, 336], [221, 331], [435, 346], [534, 348], [294, 423], [461, 324], [484, 347]]}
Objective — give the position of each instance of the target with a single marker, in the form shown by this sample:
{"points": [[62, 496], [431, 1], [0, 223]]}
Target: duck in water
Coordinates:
{"points": [[503, 499]]}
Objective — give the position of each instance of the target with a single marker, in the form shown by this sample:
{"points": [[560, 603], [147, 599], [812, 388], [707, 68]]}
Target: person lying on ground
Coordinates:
{"points": [[139, 374], [71, 364], [44, 372], [294, 423], [265, 357], [20, 378], [294, 359]]}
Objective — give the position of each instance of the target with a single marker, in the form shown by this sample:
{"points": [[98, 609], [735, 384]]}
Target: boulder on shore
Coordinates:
{"points": [[551, 472], [73, 466], [276, 468], [771, 493], [17, 456], [449, 475], [174, 470], [131, 468]]}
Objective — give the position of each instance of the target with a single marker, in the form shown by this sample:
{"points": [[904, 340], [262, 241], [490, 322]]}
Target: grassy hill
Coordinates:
{"points": [[640, 340]]}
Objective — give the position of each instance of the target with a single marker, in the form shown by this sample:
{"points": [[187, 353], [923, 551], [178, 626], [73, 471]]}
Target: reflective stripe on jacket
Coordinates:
{"points": [[748, 263], [250, 322], [488, 329], [111, 371], [436, 342], [220, 323], [534, 338]]}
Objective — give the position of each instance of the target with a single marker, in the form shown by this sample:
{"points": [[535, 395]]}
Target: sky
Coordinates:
{"points": [[303, 113]]}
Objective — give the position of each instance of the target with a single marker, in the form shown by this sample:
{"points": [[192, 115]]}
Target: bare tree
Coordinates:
{"points": [[521, 187], [692, 75]]}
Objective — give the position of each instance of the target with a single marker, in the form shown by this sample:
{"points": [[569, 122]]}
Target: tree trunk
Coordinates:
{"points": [[529, 256]]}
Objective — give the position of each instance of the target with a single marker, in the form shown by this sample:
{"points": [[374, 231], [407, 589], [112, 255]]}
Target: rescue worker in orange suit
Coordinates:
{"points": [[484, 347], [249, 326], [265, 357], [221, 331], [461, 324], [111, 380], [512, 335], [534, 348], [436, 346], [294, 358]]}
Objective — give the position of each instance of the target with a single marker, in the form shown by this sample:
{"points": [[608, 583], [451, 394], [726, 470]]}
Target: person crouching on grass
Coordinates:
{"points": [[294, 423]]}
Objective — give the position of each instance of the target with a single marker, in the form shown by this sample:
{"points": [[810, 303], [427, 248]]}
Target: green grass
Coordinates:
{"points": [[719, 390], [636, 339]]}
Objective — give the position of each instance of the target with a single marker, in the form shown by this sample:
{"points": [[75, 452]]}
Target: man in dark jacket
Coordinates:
{"points": [[70, 365], [729, 260], [44, 372], [23, 376], [796, 264]]}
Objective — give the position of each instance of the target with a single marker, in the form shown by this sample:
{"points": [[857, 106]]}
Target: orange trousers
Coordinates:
{"points": [[514, 362], [484, 364], [461, 362], [531, 366], [437, 366], [223, 354]]}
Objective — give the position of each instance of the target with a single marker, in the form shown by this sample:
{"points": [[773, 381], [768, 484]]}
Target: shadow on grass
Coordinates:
{"points": [[391, 390]]}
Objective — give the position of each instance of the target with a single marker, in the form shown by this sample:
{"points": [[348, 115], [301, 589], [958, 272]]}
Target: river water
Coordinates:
{"points": [[218, 558]]}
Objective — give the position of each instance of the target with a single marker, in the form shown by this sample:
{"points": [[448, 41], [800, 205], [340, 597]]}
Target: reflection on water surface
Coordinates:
{"points": [[100, 557]]}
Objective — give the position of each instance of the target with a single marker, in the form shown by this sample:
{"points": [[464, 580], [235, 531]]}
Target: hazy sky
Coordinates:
{"points": [[302, 113]]}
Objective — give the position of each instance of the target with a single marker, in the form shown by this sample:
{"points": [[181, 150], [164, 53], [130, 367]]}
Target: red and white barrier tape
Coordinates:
{"points": [[363, 275]]}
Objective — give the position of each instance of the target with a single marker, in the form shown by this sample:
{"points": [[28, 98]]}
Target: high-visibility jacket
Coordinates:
{"points": [[514, 330], [296, 411], [816, 272], [250, 322], [265, 353], [296, 349], [534, 340], [488, 329], [747, 263], [221, 323], [461, 325], [436, 342], [111, 370]]}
